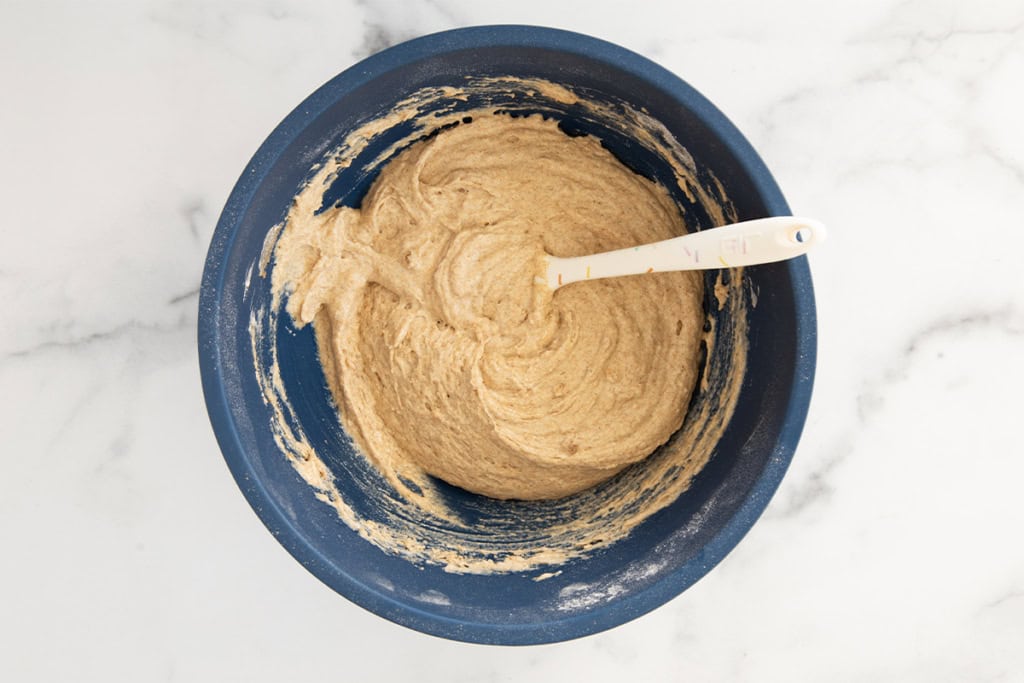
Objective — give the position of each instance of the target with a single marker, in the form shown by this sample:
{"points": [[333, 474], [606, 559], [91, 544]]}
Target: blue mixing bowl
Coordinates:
{"points": [[688, 538]]}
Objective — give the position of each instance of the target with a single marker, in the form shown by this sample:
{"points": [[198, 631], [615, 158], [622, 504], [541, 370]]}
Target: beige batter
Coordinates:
{"points": [[444, 350]]}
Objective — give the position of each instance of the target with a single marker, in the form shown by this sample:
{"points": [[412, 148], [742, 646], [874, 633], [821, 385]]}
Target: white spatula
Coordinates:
{"points": [[749, 243]]}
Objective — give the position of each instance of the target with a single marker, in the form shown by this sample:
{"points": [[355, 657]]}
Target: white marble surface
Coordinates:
{"points": [[893, 550]]}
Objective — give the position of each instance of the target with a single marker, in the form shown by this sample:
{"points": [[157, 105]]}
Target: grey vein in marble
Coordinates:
{"points": [[818, 486]]}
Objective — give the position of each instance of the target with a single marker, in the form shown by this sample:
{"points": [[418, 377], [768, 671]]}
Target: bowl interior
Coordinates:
{"points": [[666, 554]]}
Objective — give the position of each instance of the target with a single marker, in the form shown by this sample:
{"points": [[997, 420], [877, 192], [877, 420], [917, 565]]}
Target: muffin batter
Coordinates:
{"points": [[445, 351]]}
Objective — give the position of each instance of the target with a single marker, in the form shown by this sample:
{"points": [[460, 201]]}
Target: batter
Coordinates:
{"points": [[445, 351]]}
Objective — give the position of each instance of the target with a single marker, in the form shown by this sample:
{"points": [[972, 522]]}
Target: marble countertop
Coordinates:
{"points": [[892, 550]]}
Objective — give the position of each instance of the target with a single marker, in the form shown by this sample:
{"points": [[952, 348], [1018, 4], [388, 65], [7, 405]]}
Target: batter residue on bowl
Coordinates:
{"points": [[444, 348], [445, 356]]}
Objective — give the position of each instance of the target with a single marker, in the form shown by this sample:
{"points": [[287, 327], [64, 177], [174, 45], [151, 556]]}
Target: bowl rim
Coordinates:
{"points": [[602, 617]]}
